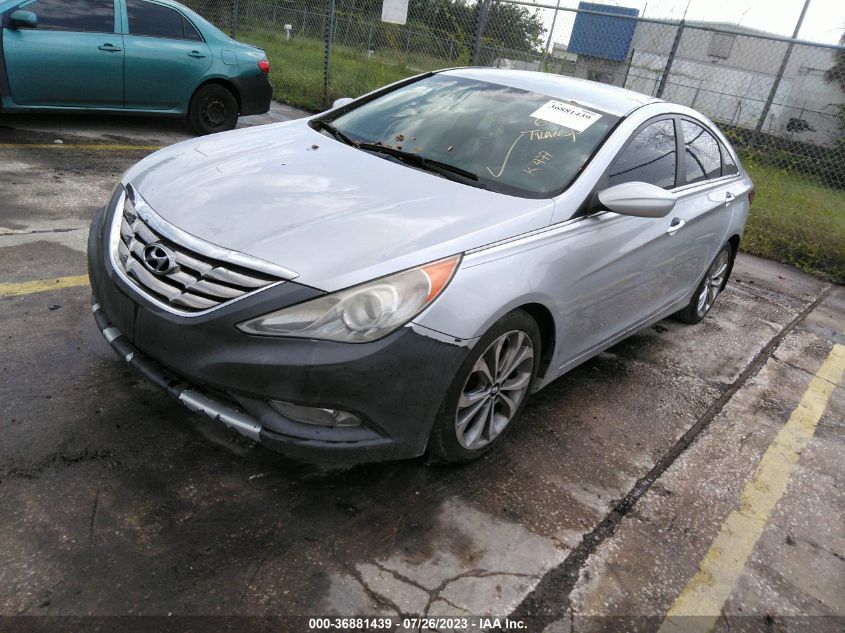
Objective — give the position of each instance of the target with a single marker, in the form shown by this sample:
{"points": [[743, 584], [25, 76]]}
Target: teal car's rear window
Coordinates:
{"points": [[155, 20]]}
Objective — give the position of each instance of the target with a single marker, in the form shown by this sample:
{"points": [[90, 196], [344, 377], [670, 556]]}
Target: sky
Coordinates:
{"points": [[824, 22]]}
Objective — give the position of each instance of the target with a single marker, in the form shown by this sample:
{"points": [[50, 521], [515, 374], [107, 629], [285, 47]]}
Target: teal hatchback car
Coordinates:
{"points": [[127, 56]]}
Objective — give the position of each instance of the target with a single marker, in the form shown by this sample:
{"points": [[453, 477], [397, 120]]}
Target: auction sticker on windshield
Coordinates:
{"points": [[566, 115]]}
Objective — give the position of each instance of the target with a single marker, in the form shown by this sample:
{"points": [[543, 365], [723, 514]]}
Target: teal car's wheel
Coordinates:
{"points": [[213, 109]]}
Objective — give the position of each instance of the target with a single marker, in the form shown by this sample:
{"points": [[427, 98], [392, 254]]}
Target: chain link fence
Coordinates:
{"points": [[780, 100]]}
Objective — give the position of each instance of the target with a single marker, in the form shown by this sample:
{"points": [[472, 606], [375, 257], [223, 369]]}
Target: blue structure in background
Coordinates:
{"points": [[602, 36]]}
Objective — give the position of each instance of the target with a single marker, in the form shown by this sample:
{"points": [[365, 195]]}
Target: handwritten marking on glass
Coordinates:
{"points": [[538, 161], [507, 157], [537, 134], [543, 135]]}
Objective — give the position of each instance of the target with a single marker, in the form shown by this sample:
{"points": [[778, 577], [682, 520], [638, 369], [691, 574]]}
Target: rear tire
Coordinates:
{"points": [[213, 109], [489, 392], [709, 289]]}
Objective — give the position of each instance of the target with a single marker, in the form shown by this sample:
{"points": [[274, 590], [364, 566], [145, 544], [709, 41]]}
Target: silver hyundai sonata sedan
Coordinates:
{"points": [[399, 273]]}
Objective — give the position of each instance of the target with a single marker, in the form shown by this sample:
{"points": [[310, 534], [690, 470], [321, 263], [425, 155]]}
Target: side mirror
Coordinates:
{"points": [[339, 103], [23, 20], [639, 199]]}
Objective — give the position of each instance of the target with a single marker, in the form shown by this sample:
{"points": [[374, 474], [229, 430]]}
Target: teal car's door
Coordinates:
{"points": [[166, 57], [73, 57]]}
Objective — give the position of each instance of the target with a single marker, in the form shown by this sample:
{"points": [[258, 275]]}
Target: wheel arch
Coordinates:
{"points": [[220, 81], [734, 241], [546, 323]]}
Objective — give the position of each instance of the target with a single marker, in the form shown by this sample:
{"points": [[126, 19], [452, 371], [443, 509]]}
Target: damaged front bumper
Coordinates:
{"points": [[394, 386], [174, 386]]}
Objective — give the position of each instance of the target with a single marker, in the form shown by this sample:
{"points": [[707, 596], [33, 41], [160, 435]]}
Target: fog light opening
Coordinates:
{"points": [[316, 416]]}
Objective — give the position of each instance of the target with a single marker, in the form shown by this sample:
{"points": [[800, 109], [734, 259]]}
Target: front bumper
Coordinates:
{"points": [[396, 385]]}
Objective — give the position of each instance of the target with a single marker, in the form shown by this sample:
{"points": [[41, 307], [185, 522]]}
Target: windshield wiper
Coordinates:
{"points": [[320, 124], [415, 160]]}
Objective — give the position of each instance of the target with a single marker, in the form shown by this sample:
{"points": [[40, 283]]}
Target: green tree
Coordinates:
{"points": [[508, 26], [513, 27]]}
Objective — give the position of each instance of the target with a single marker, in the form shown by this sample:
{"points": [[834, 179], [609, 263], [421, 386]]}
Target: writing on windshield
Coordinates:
{"points": [[512, 140]]}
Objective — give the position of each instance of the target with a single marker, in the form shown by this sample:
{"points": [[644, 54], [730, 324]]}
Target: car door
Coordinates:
{"points": [[707, 198], [166, 57], [73, 57], [614, 265]]}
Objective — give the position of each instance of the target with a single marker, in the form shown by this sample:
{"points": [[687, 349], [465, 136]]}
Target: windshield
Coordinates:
{"points": [[515, 141]]}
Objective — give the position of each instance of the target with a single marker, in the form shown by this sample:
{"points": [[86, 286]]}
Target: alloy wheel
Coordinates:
{"points": [[713, 282], [494, 389]]}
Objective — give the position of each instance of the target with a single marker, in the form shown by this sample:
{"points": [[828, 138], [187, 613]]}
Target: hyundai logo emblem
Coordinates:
{"points": [[159, 259]]}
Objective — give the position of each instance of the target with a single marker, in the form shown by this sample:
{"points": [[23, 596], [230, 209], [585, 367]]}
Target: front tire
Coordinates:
{"points": [[709, 289], [213, 109], [489, 391]]}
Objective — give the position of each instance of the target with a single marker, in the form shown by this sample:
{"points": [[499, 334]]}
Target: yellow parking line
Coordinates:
{"points": [[720, 569], [91, 146], [41, 285]]}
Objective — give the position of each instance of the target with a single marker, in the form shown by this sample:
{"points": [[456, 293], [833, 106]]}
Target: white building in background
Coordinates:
{"points": [[729, 77]]}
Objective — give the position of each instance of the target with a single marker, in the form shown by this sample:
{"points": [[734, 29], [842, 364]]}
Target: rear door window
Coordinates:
{"points": [[154, 20], [650, 157], [94, 16], [702, 157]]}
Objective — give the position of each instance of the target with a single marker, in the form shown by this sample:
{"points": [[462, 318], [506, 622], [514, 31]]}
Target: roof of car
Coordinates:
{"points": [[610, 99]]}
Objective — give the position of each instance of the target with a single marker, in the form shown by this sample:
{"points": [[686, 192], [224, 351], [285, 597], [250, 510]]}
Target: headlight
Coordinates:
{"points": [[363, 313]]}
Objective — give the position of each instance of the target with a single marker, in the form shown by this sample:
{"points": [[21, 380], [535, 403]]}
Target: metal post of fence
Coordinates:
{"points": [[782, 69], [668, 69], [483, 8], [234, 19], [328, 58]]}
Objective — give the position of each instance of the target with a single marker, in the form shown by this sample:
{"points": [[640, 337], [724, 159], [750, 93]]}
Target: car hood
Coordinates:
{"points": [[336, 215]]}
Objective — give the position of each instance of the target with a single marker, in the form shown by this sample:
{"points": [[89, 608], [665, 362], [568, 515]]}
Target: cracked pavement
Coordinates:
{"points": [[599, 505]]}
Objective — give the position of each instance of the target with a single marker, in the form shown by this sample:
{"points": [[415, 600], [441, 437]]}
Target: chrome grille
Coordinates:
{"points": [[197, 282]]}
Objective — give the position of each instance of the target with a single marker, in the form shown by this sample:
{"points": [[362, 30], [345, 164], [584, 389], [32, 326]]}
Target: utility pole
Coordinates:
{"points": [[234, 26], [328, 58], [782, 70], [667, 70], [483, 8], [551, 33]]}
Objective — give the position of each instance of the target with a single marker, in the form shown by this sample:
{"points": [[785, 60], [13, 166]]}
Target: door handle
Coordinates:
{"points": [[729, 197], [196, 54], [109, 48], [676, 225]]}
